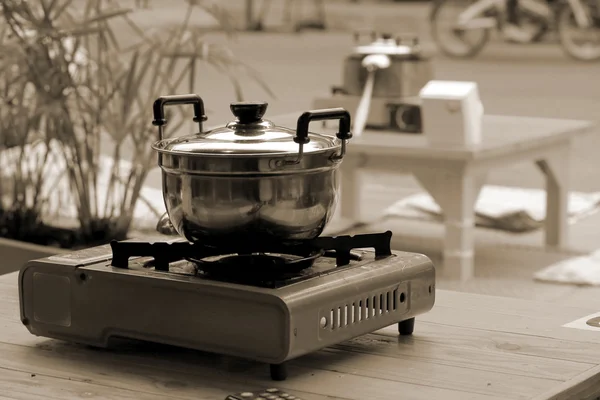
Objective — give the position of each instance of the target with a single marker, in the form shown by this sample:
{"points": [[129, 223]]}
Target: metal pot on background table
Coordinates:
{"points": [[408, 72], [385, 68], [249, 180]]}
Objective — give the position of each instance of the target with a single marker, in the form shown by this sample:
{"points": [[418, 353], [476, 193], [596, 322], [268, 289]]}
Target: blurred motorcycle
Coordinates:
{"points": [[577, 23]]}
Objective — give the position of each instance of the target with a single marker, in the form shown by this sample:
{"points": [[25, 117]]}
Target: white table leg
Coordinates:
{"points": [[456, 193], [555, 167], [351, 189]]}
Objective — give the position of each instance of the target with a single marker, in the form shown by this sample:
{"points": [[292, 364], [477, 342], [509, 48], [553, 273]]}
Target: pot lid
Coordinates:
{"points": [[248, 134], [388, 45]]}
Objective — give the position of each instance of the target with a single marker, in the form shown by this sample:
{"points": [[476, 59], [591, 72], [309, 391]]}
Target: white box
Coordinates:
{"points": [[451, 113]]}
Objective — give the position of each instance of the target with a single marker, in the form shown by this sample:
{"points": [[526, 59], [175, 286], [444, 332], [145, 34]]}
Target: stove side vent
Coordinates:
{"points": [[373, 306]]}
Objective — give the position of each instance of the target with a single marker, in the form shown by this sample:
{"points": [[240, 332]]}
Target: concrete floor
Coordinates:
{"points": [[534, 80]]}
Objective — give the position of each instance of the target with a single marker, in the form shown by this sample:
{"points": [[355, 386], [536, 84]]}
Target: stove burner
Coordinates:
{"points": [[263, 264]]}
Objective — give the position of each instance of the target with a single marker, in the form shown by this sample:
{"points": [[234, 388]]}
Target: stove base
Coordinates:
{"points": [[89, 301]]}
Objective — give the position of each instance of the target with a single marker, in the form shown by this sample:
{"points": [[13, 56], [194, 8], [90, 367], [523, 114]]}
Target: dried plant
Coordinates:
{"points": [[21, 196], [74, 86]]}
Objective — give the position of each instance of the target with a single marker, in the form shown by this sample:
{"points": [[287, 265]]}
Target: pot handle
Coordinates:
{"points": [[305, 119], [158, 109]]}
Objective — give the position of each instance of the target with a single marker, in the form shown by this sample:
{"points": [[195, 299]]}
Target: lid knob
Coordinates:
{"points": [[248, 112]]}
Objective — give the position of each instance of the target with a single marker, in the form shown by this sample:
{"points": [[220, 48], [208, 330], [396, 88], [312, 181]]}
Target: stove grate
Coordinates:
{"points": [[266, 265]]}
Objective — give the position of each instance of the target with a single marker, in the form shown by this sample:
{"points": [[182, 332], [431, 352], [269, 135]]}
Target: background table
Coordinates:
{"points": [[468, 347], [453, 176]]}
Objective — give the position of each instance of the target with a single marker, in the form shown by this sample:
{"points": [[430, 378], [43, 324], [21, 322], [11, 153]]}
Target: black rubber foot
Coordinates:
{"points": [[406, 327], [278, 372]]}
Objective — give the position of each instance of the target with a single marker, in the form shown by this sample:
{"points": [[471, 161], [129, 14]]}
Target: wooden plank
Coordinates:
{"points": [[525, 325], [27, 386], [413, 370], [486, 342], [428, 372], [177, 372], [510, 306], [116, 374], [491, 351], [584, 386]]}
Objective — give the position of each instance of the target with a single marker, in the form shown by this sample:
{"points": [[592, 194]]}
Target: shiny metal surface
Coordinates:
{"points": [[216, 208], [251, 180], [408, 73], [164, 225], [255, 138]]}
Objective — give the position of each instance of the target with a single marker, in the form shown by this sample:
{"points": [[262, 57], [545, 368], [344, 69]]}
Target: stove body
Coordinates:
{"points": [[402, 115], [87, 297]]}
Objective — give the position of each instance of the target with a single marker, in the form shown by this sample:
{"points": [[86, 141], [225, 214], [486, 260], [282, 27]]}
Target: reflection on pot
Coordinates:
{"points": [[294, 207]]}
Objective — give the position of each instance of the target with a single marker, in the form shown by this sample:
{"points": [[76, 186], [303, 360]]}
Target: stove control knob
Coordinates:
{"points": [[247, 395]]}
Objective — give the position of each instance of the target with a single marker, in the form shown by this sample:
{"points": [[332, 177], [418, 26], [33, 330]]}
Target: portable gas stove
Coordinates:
{"points": [[394, 103], [265, 302]]}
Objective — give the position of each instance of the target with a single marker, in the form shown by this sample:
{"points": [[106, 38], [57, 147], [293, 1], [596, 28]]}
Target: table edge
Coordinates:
{"points": [[464, 153], [568, 389]]}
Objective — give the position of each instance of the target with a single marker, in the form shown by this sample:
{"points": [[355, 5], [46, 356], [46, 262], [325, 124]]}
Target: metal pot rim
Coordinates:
{"points": [[249, 114], [160, 144]]}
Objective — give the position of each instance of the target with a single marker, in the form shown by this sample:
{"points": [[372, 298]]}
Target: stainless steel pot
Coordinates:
{"points": [[250, 180], [408, 72]]}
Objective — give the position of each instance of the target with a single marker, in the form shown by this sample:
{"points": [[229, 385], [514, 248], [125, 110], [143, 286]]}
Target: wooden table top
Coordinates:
{"points": [[468, 347], [500, 135]]}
